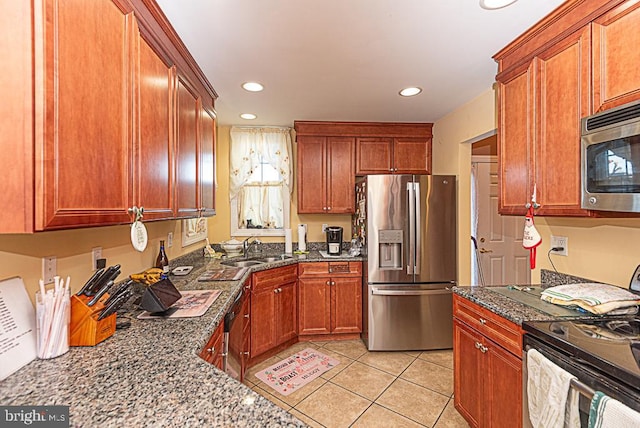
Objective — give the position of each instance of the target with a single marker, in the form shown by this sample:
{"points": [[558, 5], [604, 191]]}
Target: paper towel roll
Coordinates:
{"points": [[288, 246], [302, 237]]}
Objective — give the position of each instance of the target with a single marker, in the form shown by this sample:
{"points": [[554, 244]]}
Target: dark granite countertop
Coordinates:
{"points": [[150, 374], [513, 310]]}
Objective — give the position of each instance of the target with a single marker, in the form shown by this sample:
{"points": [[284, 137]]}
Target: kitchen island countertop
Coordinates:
{"points": [[150, 374]]}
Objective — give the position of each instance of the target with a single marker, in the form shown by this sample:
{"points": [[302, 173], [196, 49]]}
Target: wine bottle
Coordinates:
{"points": [[162, 261]]}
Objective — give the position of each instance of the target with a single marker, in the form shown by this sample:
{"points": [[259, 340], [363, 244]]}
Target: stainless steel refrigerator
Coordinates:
{"points": [[408, 225]]}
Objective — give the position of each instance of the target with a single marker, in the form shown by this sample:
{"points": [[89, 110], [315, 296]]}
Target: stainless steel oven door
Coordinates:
{"points": [[587, 381]]}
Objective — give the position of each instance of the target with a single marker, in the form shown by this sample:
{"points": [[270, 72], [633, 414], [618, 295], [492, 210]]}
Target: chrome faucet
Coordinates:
{"points": [[245, 246]]}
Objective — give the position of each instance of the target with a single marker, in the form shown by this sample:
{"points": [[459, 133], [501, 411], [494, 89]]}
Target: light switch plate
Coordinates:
{"points": [[49, 269]]}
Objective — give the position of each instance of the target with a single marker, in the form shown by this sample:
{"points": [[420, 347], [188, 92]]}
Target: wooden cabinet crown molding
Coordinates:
{"points": [[567, 18], [363, 129], [155, 23]]}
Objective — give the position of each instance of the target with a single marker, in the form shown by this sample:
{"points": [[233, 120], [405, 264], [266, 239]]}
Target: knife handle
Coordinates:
{"points": [[90, 281], [100, 293], [113, 296]]}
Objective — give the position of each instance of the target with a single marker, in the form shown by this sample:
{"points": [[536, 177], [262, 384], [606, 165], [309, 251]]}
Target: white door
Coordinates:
{"points": [[502, 258]]}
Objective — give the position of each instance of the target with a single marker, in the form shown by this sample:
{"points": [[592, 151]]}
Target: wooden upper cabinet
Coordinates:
{"points": [[207, 163], [153, 154], [515, 139], [312, 174], [412, 155], [341, 179], [326, 176], [86, 118], [563, 92], [93, 126], [187, 110], [616, 75], [402, 155], [374, 155]]}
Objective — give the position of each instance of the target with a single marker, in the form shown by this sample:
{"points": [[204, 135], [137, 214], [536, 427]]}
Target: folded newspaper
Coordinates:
{"points": [[593, 297]]}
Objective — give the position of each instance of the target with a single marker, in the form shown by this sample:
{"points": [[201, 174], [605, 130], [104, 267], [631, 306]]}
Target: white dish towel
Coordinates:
{"points": [[551, 400], [605, 412]]}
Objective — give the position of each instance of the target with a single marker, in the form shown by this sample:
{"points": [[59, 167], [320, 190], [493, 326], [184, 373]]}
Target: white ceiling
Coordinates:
{"points": [[346, 60]]}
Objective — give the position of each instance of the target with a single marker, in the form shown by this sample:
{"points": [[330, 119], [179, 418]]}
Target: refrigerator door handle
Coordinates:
{"points": [[417, 236], [379, 292], [412, 231]]}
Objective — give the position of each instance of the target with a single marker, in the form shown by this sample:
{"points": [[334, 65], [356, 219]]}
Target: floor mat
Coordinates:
{"points": [[291, 374]]}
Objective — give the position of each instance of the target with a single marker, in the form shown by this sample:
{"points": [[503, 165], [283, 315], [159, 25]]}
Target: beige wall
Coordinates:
{"points": [[21, 254], [604, 250], [452, 155]]}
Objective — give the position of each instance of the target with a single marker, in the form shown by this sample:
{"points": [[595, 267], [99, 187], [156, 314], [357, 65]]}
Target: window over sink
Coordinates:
{"points": [[260, 180]]}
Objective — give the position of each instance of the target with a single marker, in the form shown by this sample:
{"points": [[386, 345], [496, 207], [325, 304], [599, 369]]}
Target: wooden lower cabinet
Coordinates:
{"points": [[212, 351], [273, 308], [487, 377], [330, 299]]}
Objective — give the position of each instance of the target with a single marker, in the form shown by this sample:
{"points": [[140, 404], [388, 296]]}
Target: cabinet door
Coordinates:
{"points": [[86, 150], [467, 374], [515, 140], [153, 166], [616, 75], [502, 387], [287, 312], [411, 156], [187, 106], [374, 155], [341, 175], [312, 175], [263, 320], [207, 166], [346, 305], [314, 306], [212, 351], [563, 99]]}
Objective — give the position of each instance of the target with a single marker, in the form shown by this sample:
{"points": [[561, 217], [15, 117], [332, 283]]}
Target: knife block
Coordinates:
{"points": [[84, 328]]}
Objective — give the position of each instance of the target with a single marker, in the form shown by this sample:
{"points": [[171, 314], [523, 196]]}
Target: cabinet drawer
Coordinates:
{"points": [[213, 349], [274, 277], [337, 268], [500, 330]]}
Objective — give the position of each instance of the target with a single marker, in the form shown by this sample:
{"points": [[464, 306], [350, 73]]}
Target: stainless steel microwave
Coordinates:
{"points": [[610, 153]]}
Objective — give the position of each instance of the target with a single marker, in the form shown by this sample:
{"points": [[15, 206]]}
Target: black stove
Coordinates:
{"points": [[609, 345]]}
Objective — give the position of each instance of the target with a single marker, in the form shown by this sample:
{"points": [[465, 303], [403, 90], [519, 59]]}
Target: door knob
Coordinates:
{"points": [[484, 250]]}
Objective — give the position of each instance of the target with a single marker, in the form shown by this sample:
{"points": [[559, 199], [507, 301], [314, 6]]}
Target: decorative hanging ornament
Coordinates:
{"points": [[531, 238]]}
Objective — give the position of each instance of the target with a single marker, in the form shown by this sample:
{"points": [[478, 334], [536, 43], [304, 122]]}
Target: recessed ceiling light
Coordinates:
{"points": [[252, 86], [495, 4], [410, 91], [248, 116]]}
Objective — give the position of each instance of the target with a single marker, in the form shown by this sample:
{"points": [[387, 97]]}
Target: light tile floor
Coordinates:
{"points": [[370, 389]]}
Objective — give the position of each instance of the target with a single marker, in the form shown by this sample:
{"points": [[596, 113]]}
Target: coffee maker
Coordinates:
{"points": [[334, 240]]}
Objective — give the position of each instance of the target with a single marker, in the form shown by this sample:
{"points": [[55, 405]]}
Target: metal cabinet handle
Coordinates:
{"points": [[328, 282], [333, 283], [478, 345], [246, 316], [483, 349], [246, 353], [328, 208], [483, 321], [211, 350]]}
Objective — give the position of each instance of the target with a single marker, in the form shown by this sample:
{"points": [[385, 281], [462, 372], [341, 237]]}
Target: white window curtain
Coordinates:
{"points": [[260, 202]]}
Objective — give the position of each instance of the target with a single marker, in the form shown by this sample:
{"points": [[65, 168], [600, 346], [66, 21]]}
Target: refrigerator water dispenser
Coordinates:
{"points": [[390, 249]]}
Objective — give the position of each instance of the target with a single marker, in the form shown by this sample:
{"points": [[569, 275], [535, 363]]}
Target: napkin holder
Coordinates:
{"points": [[158, 297], [84, 328]]}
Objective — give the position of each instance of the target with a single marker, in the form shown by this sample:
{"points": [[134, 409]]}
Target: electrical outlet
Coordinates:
{"points": [[560, 241], [169, 239], [48, 269], [324, 227], [96, 253]]}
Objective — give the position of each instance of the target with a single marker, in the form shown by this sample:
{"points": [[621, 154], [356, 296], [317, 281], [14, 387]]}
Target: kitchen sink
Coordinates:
{"points": [[274, 259], [241, 263]]}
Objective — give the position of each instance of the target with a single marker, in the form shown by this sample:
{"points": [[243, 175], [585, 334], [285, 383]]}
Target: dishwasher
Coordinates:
{"points": [[232, 339]]}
